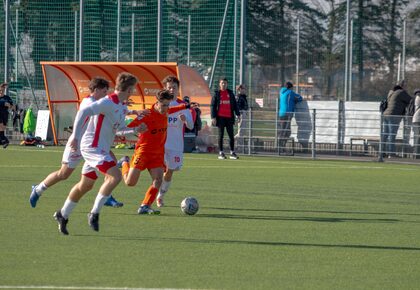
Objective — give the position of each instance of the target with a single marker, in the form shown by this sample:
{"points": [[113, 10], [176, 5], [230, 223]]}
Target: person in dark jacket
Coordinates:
{"points": [[398, 100], [6, 103], [223, 111], [242, 101]]}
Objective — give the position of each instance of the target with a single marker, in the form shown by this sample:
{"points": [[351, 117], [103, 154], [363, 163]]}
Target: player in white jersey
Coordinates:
{"points": [[174, 145], [106, 116], [98, 88]]}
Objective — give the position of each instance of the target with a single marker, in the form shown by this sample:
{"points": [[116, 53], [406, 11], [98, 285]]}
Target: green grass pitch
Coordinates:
{"points": [[263, 223]]}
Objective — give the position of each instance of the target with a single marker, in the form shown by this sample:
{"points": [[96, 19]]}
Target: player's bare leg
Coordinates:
{"points": [[76, 193], [166, 183], [112, 179], [62, 174]]}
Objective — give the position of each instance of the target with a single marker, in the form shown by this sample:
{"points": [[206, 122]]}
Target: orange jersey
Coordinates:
{"points": [[153, 140]]}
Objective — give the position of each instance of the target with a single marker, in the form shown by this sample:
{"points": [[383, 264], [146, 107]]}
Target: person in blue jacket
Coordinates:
{"points": [[287, 101]]}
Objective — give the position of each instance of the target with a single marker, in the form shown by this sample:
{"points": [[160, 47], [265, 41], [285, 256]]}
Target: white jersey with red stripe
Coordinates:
{"points": [[106, 117], [175, 132]]}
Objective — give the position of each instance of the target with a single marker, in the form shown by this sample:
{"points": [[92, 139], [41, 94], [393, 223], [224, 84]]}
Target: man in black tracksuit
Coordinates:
{"points": [[6, 103], [223, 111]]}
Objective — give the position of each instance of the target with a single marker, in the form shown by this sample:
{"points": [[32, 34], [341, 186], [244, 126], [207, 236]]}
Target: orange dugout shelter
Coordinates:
{"points": [[67, 83]]}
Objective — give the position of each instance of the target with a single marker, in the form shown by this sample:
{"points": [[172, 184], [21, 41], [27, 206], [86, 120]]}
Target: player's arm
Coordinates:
{"points": [[81, 118], [139, 113], [189, 122], [178, 108], [83, 115]]}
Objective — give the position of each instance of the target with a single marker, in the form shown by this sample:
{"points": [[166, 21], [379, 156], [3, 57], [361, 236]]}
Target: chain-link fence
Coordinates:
{"points": [[302, 41]]}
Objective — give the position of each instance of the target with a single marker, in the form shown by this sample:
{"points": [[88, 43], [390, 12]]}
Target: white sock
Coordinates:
{"points": [[99, 202], [164, 187], [68, 208], [40, 188]]}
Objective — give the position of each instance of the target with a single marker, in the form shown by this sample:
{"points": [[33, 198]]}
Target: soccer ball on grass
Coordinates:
{"points": [[189, 205]]}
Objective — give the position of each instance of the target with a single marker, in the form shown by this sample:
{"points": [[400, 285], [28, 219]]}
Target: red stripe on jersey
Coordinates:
{"points": [[98, 130], [86, 120], [114, 98]]}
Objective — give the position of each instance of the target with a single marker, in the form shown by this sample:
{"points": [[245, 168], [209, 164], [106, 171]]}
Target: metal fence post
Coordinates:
{"points": [[132, 36], [276, 126], [381, 157], [81, 28], [313, 133], [6, 41], [249, 131], [118, 29], [75, 36]]}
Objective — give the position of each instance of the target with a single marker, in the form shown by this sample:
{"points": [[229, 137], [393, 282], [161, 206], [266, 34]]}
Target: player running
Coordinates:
{"points": [[106, 116], [98, 89], [150, 149], [174, 145]]}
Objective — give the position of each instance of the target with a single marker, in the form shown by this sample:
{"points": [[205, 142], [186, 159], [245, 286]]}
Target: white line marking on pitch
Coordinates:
{"points": [[80, 288]]}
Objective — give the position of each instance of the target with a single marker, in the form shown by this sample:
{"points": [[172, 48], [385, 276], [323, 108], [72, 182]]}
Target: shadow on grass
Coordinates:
{"points": [[257, 243], [280, 218], [311, 211], [310, 219]]}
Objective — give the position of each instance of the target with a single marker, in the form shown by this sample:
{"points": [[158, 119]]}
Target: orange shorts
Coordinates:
{"points": [[144, 161]]}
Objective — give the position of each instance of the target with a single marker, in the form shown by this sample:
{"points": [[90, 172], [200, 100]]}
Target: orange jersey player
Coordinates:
{"points": [[150, 149]]}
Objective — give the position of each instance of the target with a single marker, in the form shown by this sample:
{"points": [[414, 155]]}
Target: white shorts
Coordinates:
{"points": [[72, 159], [174, 159], [98, 159]]}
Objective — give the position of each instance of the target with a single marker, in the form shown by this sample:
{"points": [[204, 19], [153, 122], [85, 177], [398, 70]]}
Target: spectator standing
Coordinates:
{"points": [[287, 101], [398, 100], [196, 116], [242, 101], [416, 123], [6, 104], [223, 111]]}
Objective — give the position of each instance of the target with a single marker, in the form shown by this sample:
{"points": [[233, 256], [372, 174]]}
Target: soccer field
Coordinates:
{"points": [[263, 223]]}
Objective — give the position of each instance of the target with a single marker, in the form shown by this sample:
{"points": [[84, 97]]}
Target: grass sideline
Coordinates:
{"points": [[263, 223]]}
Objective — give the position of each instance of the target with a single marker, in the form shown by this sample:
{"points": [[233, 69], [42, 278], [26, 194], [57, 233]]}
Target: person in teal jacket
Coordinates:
{"points": [[287, 101]]}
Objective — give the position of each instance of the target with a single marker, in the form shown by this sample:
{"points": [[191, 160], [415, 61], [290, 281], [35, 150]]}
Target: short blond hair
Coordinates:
{"points": [[124, 81]]}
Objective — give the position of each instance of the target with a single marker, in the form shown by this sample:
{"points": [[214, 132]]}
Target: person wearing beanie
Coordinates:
{"points": [[398, 100]]}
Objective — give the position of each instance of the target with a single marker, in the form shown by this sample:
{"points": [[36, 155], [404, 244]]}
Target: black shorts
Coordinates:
{"points": [[4, 117]]}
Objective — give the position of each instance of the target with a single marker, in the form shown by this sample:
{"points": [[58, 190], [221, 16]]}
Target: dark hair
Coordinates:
{"points": [[98, 83], [288, 85], [400, 83], [124, 81], [223, 79], [3, 85], [186, 99], [164, 95], [170, 79]]}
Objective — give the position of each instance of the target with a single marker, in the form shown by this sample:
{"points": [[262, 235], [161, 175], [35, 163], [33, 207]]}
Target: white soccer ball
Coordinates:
{"points": [[189, 206]]}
